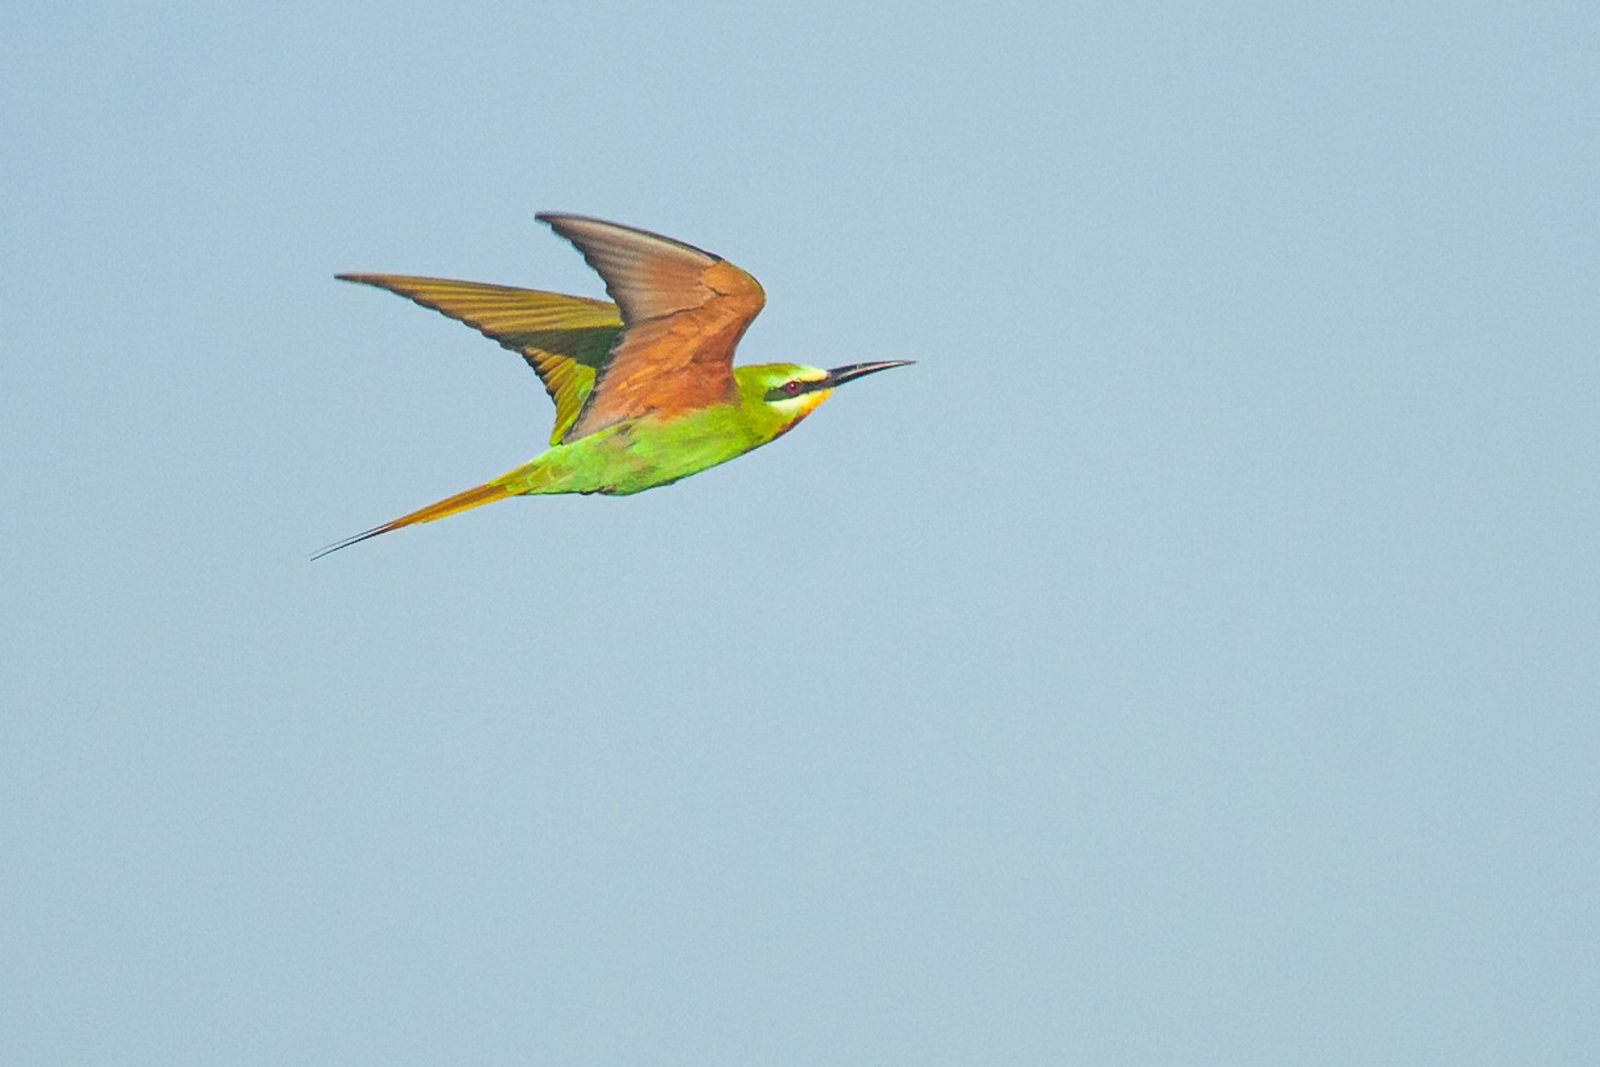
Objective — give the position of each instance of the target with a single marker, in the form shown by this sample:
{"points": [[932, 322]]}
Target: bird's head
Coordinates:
{"points": [[792, 390]]}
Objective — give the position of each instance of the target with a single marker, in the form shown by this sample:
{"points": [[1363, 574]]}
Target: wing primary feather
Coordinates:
{"points": [[563, 338]]}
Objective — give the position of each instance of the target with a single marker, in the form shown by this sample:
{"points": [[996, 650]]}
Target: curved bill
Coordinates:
{"points": [[839, 375]]}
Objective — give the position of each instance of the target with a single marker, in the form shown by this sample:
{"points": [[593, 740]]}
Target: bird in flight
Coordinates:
{"points": [[645, 388]]}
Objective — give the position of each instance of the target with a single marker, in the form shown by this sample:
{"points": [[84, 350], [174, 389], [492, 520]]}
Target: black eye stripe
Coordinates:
{"points": [[793, 387]]}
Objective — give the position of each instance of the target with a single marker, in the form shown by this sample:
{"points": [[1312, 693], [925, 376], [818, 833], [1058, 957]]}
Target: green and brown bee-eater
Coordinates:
{"points": [[645, 388]]}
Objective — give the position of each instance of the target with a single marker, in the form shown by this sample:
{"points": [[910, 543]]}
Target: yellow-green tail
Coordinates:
{"points": [[470, 498]]}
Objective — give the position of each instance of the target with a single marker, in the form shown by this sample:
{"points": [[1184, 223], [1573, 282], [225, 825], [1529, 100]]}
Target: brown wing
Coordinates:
{"points": [[683, 312]]}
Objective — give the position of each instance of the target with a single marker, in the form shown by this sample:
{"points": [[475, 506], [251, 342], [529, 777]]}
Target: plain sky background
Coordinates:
{"points": [[1192, 659]]}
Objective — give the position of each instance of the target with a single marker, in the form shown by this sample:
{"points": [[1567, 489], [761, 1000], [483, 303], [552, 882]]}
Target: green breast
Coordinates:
{"points": [[647, 452]]}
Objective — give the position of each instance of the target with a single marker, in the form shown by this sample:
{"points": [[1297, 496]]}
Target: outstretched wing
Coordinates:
{"points": [[683, 312], [565, 339]]}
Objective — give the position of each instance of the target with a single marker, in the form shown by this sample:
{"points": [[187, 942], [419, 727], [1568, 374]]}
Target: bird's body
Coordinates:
{"points": [[645, 390]]}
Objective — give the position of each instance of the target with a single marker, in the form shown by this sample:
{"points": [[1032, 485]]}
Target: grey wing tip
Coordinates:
{"points": [[554, 219], [570, 226]]}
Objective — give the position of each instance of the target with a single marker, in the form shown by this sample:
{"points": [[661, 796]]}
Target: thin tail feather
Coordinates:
{"points": [[471, 498]]}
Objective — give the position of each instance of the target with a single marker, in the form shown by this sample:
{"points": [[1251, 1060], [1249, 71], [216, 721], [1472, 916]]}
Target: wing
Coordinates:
{"points": [[683, 312], [565, 339]]}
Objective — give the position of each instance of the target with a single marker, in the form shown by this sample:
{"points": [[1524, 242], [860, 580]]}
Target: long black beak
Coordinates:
{"points": [[839, 375]]}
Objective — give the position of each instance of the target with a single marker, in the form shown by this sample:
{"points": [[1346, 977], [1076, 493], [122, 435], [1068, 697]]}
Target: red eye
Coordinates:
{"points": [[792, 388]]}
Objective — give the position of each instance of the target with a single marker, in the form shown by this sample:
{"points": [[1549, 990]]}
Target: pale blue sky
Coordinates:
{"points": [[1191, 659]]}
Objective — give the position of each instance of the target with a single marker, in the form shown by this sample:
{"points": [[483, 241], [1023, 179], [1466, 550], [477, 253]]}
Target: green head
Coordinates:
{"points": [[789, 392]]}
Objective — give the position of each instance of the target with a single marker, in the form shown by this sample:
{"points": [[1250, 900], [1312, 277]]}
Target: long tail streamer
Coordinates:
{"points": [[471, 498]]}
